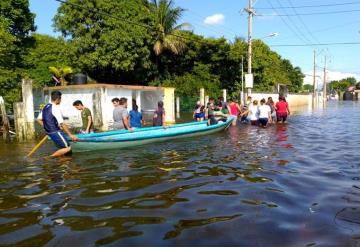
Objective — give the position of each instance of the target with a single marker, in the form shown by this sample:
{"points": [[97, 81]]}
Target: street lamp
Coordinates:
{"points": [[270, 35]]}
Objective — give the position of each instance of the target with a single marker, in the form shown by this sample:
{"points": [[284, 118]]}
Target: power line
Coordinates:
{"points": [[317, 6], [316, 44], [302, 22], [328, 28], [289, 26], [316, 13]]}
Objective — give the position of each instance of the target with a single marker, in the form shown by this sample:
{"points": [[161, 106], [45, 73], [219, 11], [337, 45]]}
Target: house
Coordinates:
{"points": [[97, 97]]}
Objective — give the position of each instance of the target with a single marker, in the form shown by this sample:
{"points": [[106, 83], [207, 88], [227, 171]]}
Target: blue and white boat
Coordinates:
{"points": [[124, 138]]}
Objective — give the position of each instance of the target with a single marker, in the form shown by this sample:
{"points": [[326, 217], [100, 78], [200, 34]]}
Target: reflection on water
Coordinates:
{"points": [[287, 185]]}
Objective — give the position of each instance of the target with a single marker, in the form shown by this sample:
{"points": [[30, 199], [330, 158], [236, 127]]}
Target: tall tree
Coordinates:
{"points": [[168, 35], [112, 43], [16, 26]]}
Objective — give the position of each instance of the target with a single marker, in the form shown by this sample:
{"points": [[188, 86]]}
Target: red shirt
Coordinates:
{"points": [[281, 107]]}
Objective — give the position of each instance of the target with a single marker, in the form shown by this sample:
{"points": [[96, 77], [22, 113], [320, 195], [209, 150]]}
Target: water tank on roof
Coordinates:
{"points": [[79, 78]]}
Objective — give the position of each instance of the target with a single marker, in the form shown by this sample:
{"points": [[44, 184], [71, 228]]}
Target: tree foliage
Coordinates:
{"points": [[47, 52], [16, 25], [343, 84], [121, 42], [108, 46], [168, 35]]}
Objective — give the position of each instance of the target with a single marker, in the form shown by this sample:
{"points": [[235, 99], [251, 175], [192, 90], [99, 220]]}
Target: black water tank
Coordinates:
{"points": [[348, 96], [79, 79]]}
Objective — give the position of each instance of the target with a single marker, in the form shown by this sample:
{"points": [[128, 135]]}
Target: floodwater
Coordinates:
{"points": [[296, 184]]}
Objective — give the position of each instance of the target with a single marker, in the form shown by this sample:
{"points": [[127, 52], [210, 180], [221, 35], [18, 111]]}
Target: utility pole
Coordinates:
{"points": [[251, 13], [314, 75], [242, 81], [324, 87]]}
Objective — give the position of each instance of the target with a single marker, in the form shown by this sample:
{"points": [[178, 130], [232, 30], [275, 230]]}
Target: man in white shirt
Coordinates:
{"points": [[264, 114], [51, 119]]}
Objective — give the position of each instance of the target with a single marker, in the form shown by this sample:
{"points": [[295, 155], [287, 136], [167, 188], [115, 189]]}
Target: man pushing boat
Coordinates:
{"points": [[51, 119]]}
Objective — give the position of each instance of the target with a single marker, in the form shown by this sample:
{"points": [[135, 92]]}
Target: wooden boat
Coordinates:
{"points": [[124, 138]]}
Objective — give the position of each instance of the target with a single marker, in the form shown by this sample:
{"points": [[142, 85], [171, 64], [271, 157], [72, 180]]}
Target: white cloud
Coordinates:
{"points": [[216, 19], [330, 76]]}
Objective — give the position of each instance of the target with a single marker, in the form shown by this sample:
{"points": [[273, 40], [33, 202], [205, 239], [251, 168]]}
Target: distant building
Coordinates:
{"points": [[97, 97]]}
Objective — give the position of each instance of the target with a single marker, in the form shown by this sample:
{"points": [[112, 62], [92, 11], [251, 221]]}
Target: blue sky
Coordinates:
{"points": [[216, 18]]}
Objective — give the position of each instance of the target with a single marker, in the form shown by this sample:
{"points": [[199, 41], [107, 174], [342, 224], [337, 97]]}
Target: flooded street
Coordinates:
{"points": [[295, 184]]}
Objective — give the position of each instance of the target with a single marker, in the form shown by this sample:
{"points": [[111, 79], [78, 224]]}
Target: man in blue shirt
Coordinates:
{"points": [[51, 119]]}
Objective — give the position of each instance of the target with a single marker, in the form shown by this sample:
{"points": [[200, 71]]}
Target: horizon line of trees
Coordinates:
{"points": [[131, 42]]}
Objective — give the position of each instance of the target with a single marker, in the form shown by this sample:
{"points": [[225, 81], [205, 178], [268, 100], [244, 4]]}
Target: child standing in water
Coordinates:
{"points": [[264, 114], [159, 115], [271, 103], [199, 113]]}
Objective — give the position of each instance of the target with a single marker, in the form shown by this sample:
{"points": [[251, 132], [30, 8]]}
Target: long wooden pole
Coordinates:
{"points": [[37, 146]]}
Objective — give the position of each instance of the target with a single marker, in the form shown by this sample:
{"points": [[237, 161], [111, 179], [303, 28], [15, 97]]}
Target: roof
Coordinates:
{"points": [[103, 85]]}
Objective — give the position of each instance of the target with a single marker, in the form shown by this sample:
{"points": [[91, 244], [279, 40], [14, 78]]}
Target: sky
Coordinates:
{"points": [[297, 22]]}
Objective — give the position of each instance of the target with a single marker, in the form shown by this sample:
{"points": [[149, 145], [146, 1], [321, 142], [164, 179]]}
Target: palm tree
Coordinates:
{"points": [[60, 73], [168, 33]]}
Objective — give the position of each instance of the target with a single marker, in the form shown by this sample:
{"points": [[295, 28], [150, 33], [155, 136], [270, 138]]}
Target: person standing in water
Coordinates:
{"points": [[199, 113], [87, 122], [120, 114], [282, 109], [234, 110], [159, 115], [264, 114], [271, 103], [136, 119], [51, 119], [252, 113]]}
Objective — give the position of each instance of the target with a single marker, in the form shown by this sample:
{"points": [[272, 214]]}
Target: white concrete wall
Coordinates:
{"points": [[292, 99], [68, 110], [147, 101]]}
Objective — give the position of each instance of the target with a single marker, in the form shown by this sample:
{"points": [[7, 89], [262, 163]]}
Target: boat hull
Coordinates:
{"points": [[117, 141]]}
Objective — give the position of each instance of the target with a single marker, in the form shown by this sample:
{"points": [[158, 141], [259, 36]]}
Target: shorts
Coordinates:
{"points": [[200, 115], [263, 121], [254, 122], [281, 116], [60, 139]]}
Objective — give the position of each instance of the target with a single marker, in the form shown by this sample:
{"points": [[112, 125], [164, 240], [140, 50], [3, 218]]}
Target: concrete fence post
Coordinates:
{"points": [[202, 96], [20, 124], [24, 113], [97, 118], [206, 100], [5, 120], [224, 94]]}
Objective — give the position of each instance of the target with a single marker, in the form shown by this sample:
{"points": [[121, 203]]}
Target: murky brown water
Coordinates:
{"points": [[287, 185]]}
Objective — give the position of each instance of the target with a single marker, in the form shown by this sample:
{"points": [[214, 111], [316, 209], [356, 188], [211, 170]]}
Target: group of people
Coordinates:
{"points": [[51, 119], [134, 119], [251, 112]]}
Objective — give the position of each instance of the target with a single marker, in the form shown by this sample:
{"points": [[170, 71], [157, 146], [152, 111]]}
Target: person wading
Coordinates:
{"points": [[121, 115], [87, 122], [51, 119]]}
